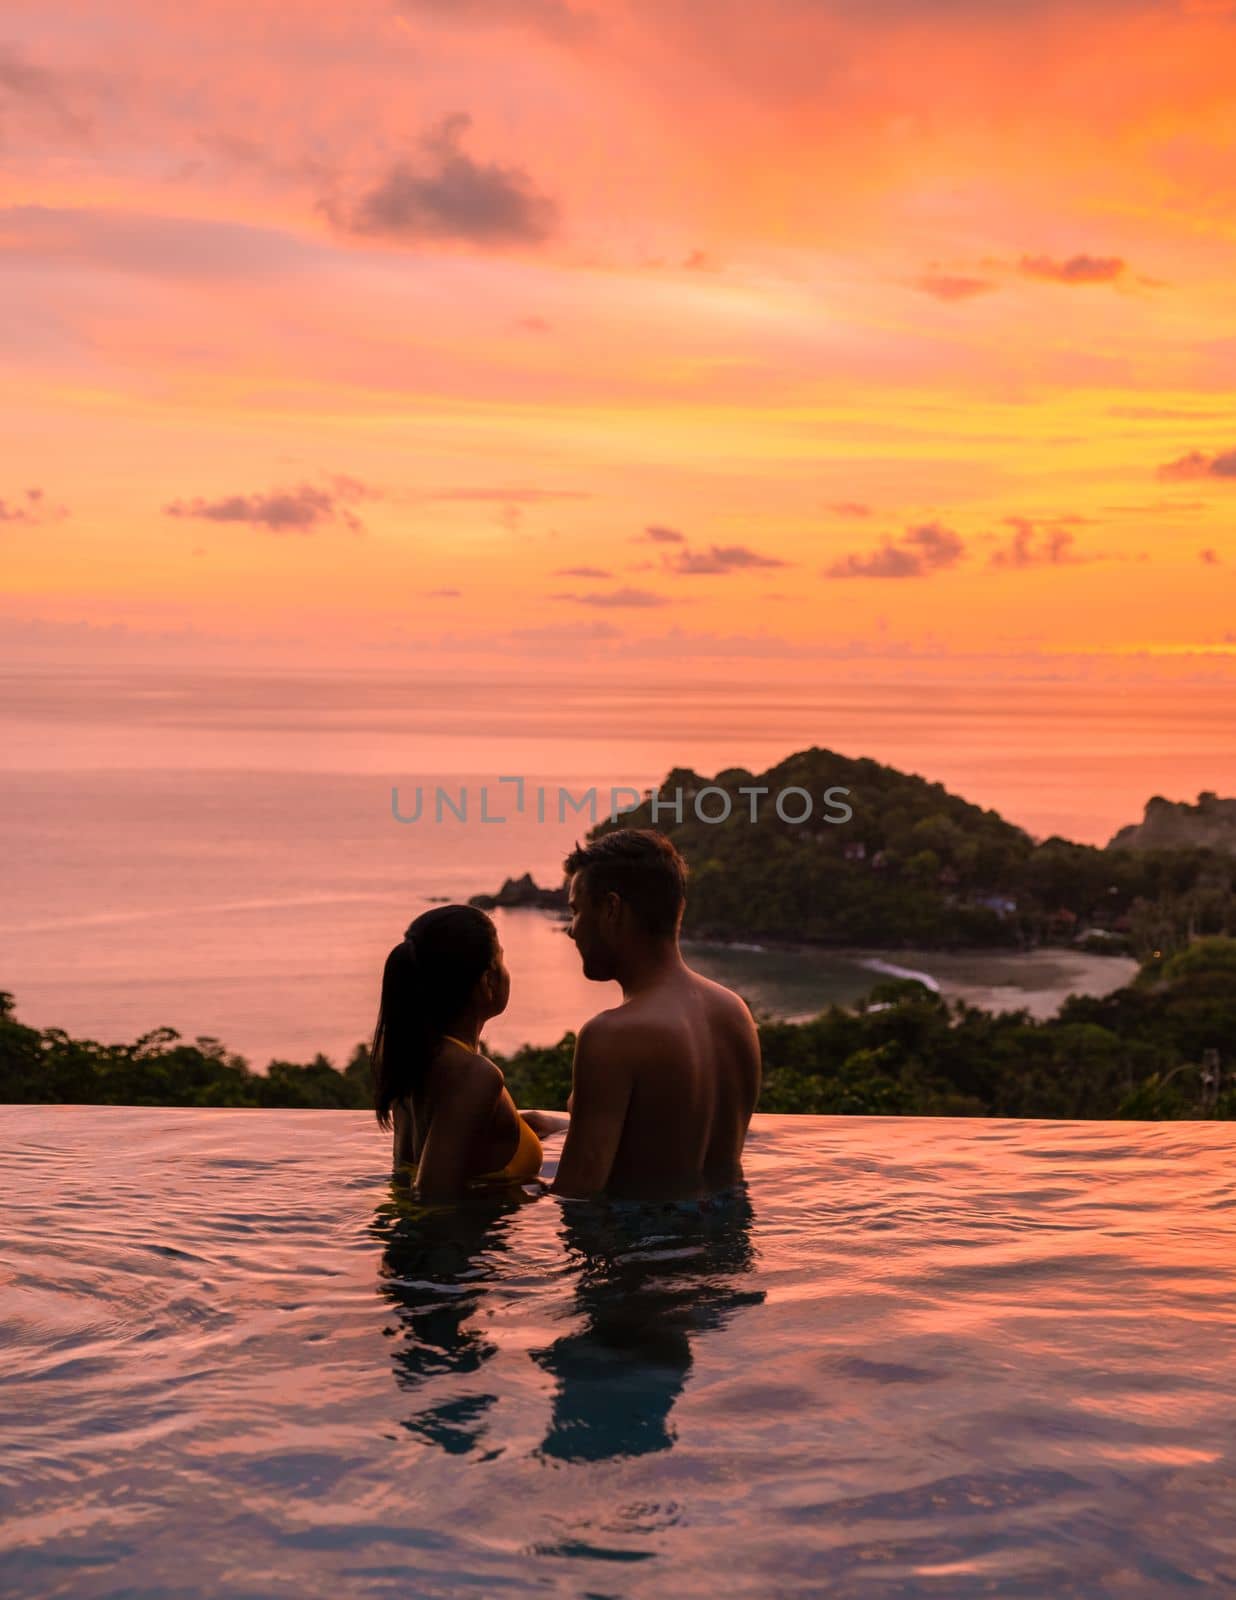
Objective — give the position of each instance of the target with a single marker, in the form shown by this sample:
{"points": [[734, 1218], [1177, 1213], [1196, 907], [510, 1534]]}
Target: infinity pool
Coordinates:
{"points": [[917, 1357]]}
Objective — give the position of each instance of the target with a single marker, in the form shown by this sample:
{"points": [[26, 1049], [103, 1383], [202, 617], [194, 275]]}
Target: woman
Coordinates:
{"points": [[454, 1121]]}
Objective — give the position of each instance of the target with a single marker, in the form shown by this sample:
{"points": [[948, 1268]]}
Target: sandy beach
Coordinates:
{"points": [[1037, 980]]}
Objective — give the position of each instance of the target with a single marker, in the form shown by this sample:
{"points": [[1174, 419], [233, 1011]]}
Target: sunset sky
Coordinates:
{"points": [[868, 329]]}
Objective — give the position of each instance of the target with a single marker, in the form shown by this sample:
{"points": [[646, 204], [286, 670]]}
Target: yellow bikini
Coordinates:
{"points": [[526, 1162]]}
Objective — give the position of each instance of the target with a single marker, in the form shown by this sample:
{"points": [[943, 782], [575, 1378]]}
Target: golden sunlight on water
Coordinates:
{"points": [[914, 1357]]}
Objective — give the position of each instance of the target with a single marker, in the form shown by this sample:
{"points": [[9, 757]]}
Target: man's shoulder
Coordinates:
{"points": [[621, 1037], [645, 1030], [604, 1058], [727, 1002], [605, 1029]]}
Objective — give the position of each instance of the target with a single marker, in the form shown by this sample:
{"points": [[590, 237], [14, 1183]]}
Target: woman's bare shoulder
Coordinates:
{"points": [[469, 1070], [462, 1060]]}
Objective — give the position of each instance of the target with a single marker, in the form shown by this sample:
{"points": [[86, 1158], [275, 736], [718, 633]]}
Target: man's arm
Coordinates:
{"points": [[546, 1123], [600, 1096]]}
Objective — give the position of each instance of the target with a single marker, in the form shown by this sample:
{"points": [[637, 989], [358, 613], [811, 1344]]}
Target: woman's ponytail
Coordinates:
{"points": [[427, 981]]}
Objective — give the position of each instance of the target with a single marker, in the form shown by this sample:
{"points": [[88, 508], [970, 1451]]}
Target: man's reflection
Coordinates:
{"points": [[650, 1277]]}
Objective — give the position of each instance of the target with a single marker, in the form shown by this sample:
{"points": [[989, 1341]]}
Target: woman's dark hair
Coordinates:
{"points": [[643, 868], [427, 981]]}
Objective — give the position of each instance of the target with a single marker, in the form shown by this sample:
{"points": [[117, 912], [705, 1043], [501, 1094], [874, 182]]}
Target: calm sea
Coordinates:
{"points": [[917, 1358], [217, 852]]}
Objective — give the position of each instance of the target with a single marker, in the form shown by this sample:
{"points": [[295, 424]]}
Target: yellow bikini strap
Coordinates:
{"points": [[460, 1042]]}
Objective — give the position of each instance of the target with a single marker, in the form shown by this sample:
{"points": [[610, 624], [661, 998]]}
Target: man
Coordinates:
{"points": [[665, 1083]]}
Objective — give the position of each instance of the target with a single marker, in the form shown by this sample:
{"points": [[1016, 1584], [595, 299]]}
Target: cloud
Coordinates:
{"points": [[39, 94], [515, 497], [564, 632], [303, 509], [1163, 413], [677, 642], [582, 572], [634, 598], [442, 594], [1162, 505], [553, 18], [448, 195], [1210, 557], [1030, 548], [154, 246], [1197, 465], [849, 508], [722, 558], [36, 511], [943, 287], [19, 78], [993, 12], [1046, 543], [922, 550], [716, 559], [1076, 269]]}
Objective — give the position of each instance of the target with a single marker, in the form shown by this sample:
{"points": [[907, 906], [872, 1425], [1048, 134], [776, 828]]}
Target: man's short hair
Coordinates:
{"points": [[643, 868]]}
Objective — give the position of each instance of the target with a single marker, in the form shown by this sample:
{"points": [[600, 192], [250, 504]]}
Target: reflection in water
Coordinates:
{"points": [[437, 1263], [646, 1279], [649, 1278], [1003, 1363]]}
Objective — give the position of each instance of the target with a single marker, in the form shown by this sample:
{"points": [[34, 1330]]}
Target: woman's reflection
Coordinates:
{"points": [[437, 1264]]}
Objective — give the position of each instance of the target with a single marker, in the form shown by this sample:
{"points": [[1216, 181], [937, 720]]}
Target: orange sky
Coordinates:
{"points": [[872, 329]]}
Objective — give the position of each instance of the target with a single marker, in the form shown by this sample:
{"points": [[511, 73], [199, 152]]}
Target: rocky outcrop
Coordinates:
{"points": [[518, 892], [1176, 825]]}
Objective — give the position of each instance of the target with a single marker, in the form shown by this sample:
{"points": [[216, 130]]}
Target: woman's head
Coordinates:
{"points": [[446, 972]]}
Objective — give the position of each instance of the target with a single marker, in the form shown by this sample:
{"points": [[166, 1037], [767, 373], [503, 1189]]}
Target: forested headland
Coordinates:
{"points": [[913, 866]]}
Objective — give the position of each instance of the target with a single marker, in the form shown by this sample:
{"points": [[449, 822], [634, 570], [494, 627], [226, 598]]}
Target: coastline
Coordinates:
{"points": [[1038, 981]]}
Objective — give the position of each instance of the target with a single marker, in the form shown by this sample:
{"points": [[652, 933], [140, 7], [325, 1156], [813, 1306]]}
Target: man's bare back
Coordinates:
{"points": [[665, 1085]]}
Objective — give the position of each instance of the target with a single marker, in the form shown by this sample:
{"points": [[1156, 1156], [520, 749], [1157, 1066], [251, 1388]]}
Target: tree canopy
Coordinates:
{"points": [[1160, 1047]]}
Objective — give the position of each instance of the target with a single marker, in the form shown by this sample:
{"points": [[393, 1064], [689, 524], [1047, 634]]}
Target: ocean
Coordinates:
{"points": [[217, 852]]}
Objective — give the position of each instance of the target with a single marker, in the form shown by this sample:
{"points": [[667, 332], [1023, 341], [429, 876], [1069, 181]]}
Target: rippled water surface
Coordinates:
{"points": [[917, 1357]]}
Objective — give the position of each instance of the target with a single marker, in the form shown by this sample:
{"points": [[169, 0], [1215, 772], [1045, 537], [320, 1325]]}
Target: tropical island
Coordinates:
{"points": [[917, 866]]}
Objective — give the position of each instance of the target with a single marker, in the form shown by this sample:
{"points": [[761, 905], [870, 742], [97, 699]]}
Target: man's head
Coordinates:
{"points": [[627, 889]]}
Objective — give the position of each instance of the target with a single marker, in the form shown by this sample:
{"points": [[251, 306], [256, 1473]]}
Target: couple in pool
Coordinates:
{"points": [[663, 1085]]}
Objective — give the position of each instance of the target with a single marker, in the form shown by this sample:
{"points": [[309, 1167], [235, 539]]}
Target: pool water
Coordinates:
{"points": [[913, 1357]]}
